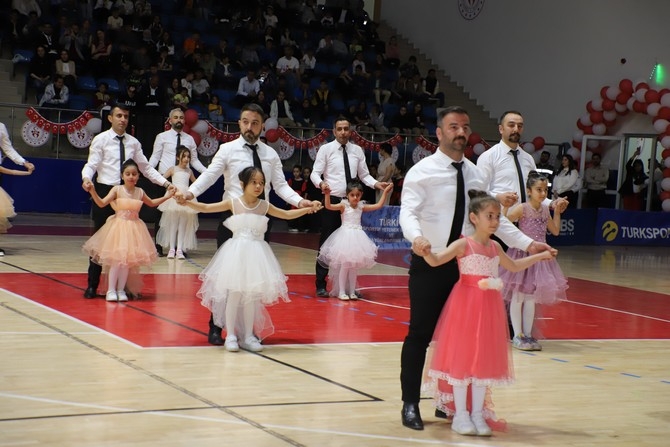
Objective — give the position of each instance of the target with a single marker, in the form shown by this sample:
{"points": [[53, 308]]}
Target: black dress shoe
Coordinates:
{"points": [[214, 336], [90, 292], [411, 417], [321, 292], [440, 414], [2, 252], [159, 250]]}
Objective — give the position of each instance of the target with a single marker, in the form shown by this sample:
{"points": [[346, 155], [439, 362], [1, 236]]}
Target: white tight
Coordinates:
{"points": [[522, 313], [118, 276], [248, 313], [177, 233], [347, 281], [461, 398]]}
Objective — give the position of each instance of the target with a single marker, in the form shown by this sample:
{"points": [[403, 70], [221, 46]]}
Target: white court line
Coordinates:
{"points": [[236, 421]]}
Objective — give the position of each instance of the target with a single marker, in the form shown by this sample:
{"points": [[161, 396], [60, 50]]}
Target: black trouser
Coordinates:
{"points": [[330, 221], [222, 235], [596, 198], [429, 288], [99, 216]]}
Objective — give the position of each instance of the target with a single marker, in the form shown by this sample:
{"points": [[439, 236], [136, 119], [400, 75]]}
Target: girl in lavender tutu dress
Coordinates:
{"points": [[349, 248], [543, 283]]}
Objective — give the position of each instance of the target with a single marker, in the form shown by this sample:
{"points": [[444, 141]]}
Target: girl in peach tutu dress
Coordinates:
{"points": [[470, 348], [123, 244], [6, 202]]}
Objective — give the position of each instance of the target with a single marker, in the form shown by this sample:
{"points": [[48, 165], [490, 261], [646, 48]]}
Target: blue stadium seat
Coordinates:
{"points": [[86, 83], [80, 102], [112, 84]]}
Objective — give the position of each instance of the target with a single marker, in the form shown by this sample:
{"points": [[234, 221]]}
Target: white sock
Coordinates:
{"points": [[232, 307], [528, 316], [180, 232], [515, 312], [249, 314], [478, 396], [461, 399], [351, 279], [112, 277], [342, 280]]}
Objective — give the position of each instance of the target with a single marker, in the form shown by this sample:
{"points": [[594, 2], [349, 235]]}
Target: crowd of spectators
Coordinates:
{"points": [[303, 63]]}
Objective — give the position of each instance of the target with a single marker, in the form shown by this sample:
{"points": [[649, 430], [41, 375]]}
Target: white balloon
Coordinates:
{"points": [[612, 93], [529, 147], [271, 123], [630, 103], [200, 127], [620, 108], [592, 144], [578, 135], [661, 125], [665, 142], [597, 104], [639, 94], [574, 153], [588, 155], [610, 115], [665, 100], [653, 108], [599, 129], [666, 162], [585, 120], [94, 125], [665, 184], [666, 205], [479, 148]]}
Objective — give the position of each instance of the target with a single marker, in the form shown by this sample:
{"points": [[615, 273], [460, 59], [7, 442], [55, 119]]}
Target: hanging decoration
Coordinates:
{"points": [[36, 131]]}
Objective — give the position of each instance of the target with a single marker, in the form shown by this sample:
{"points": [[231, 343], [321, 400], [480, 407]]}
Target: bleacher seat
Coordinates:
{"points": [[80, 102], [21, 57], [112, 84], [225, 96], [86, 83]]}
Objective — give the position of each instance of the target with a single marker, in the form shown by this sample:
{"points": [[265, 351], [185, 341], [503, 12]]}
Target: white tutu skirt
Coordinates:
{"points": [[173, 213], [6, 211], [348, 248], [243, 269]]}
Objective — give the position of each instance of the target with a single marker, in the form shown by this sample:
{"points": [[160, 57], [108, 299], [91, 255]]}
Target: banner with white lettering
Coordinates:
{"points": [[576, 228], [632, 228], [383, 228]]}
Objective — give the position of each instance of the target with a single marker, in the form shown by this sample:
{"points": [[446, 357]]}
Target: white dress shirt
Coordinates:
{"points": [[104, 158], [232, 158], [245, 87], [7, 148], [500, 174], [165, 151], [564, 182], [428, 202], [330, 164]]}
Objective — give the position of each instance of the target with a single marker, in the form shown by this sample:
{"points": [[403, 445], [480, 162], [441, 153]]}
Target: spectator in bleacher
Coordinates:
{"points": [[102, 10], [126, 9], [101, 51], [402, 122], [268, 81], [308, 13], [173, 88], [223, 74], [377, 118], [164, 61], [362, 118], [25, 7], [286, 39], [114, 23], [321, 100], [409, 68], [358, 62], [327, 21], [270, 18], [340, 49], [201, 88], [263, 102], [415, 89], [431, 86], [268, 54], [304, 91], [56, 94], [392, 54], [102, 98], [46, 39], [247, 89], [143, 15], [419, 119], [187, 81], [156, 29], [154, 95], [223, 49], [306, 117], [288, 66], [400, 92], [344, 85], [192, 44], [325, 51], [381, 90], [281, 110], [215, 110], [131, 99], [41, 69], [181, 99], [208, 65], [270, 34], [166, 41], [249, 57], [14, 33], [67, 69], [308, 63]]}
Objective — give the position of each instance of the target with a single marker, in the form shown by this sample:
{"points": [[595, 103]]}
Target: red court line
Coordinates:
{"points": [[170, 315]]}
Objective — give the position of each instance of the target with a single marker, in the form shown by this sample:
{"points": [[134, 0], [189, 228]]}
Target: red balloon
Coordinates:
{"points": [[640, 107], [665, 154], [191, 117], [538, 142], [474, 139], [642, 85], [622, 98], [603, 92], [608, 104], [652, 96], [597, 117], [272, 135], [664, 112], [626, 85], [588, 130], [186, 129], [664, 195], [196, 136], [580, 126], [577, 144], [589, 107], [469, 152], [666, 172]]}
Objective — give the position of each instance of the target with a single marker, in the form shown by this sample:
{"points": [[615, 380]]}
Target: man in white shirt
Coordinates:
{"points": [[281, 110], [288, 66], [6, 149], [229, 161], [106, 154], [329, 173], [596, 177], [247, 89], [428, 204]]}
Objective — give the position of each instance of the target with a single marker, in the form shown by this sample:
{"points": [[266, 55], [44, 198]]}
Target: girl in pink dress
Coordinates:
{"points": [[470, 348], [6, 202], [542, 283], [349, 248], [123, 243]]}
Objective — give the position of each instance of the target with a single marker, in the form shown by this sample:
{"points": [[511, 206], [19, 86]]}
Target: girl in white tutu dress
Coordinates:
{"points": [[244, 275], [178, 223], [543, 283], [123, 244], [6, 202], [349, 248]]}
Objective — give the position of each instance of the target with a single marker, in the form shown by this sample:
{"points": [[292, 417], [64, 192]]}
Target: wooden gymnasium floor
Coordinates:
{"points": [[76, 372]]}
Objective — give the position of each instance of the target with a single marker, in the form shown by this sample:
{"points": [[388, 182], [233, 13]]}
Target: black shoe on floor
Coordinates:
{"points": [[2, 252], [214, 336], [159, 250], [440, 414], [321, 292], [90, 292], [411, 417]]}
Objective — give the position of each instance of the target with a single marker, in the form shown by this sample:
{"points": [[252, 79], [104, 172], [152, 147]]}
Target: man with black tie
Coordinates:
{"points": [[229, 161], [433, 206], [164, 155], [336, 164], [106, 155]]}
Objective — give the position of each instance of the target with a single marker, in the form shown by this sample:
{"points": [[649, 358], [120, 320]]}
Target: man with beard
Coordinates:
{"points": [[434, 199], [164, 157], [229, 161]]}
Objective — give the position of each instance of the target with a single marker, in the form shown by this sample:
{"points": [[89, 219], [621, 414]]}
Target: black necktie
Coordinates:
{"points": [[522, 186], [257, 161], [178, 140], [122, 156], [347, 169], [459, 209]]}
